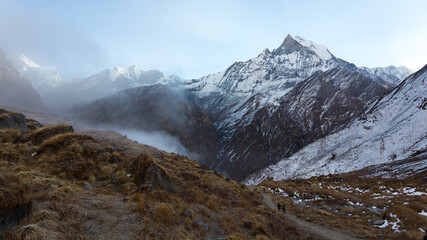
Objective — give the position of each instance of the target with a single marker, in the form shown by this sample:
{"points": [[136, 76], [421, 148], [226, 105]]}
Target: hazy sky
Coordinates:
{"points": [[194, 38]]}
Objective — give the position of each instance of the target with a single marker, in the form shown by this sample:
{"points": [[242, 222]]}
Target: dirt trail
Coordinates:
{"points": [[311, 227], [107, 217]]}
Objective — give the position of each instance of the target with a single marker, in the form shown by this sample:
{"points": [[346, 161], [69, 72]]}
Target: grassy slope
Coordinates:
{"points": [[56, 184]]}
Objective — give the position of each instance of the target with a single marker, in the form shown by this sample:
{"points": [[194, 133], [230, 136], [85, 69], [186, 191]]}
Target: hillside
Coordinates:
{"points": [[63, 185], [370, 208], [391, 129]]}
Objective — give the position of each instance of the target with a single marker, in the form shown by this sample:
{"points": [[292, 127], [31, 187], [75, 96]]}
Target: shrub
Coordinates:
{"points": [[213, 204], [91, 179], [165, 213], [104, 172], [142, 206], [76, 148], [10, 135]]}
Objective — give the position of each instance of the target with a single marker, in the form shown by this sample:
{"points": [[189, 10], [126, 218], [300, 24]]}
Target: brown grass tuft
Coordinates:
{"points": [[165, 213], [76, 148]]}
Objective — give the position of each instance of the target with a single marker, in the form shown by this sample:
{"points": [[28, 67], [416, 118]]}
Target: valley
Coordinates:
{"points": [[294, 142]]}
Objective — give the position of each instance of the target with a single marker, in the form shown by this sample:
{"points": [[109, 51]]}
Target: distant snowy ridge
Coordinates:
{"points": [[43, 78], [390, 75], [393, 128], [79, 92]]}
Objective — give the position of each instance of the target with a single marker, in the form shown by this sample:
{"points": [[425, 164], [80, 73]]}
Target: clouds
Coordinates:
{"points": [[49, 42]]}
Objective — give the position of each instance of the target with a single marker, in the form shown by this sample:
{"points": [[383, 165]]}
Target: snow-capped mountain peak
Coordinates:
{"points": [[28, 62], [43, 78], [319, 49], [130, 72], [390, 75], [291, 45]]}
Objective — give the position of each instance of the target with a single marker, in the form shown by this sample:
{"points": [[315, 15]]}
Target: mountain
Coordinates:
{"points": [[390, 75], [156, 108], [257, 124], [80, 92], [15, 90], [391, 129], [294, 60], [264, 134], [43, 79]]}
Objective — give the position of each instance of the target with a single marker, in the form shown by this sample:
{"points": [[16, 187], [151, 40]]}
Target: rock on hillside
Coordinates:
{"points": [[13, 120]]}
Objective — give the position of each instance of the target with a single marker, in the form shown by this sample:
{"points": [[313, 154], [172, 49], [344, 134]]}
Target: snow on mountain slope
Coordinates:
{"points": [[259, 134], [393, 128], [320, 50], [390, 75], [295, 60], [43, 78]]}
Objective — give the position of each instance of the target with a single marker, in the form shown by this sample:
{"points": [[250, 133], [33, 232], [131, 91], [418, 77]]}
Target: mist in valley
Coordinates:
{"points": [[159, 140]]}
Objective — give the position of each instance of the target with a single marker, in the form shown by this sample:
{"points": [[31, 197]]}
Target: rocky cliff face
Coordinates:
{"points": [[311, 110], [156, 108], [15, 90]]}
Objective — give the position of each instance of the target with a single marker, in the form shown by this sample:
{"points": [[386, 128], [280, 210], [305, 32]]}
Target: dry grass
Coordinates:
{"points": [[164, 213], [77, 184], [3, 115]]}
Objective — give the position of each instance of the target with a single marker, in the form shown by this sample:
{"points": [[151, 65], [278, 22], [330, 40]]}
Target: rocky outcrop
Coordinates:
{"points": [[148, 175], [13, 120]]}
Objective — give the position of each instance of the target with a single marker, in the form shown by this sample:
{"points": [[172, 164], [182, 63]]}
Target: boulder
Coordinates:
{"points": [[201, 224], [149, 175], [13, 120]]}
